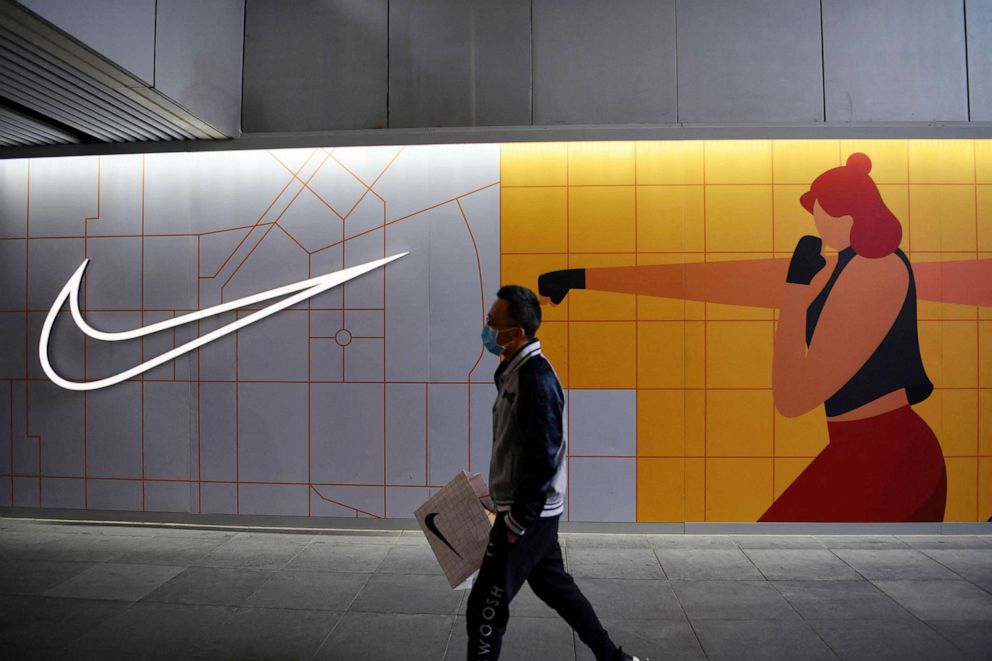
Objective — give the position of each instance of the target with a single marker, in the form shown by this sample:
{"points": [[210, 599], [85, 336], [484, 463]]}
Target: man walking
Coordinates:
{"points": [[527, 485]]}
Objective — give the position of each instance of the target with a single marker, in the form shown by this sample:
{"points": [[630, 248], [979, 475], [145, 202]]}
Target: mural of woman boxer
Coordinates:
{"points": [[853, 347], [848, 341]]}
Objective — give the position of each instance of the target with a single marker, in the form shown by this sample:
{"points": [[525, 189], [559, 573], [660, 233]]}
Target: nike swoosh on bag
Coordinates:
{"points": [[429, 522], [305, 289]]}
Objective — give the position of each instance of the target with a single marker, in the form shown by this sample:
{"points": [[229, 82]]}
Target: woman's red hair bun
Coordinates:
{"points": [[848, 190], [859, 163]]}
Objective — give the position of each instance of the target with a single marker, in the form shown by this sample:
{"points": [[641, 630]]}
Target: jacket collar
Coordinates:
{"points": [[529, 350]]}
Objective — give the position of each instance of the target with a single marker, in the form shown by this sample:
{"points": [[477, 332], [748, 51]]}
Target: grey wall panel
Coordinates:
{"points": [[979, 15], [459, 63], [315, 64], [198, 49], [894, 60], [123, 31], [749, 61], [604, 62]]}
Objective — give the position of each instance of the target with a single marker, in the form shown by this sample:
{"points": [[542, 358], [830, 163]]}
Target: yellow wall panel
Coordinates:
{"points": [[695, 490], [709, 442], [660, 423], [739, 354], [941, 161], [554, 345], [601, 219], [896, 198], [525, 269], [602, 354], [669, 162], [660, 354], [802, 161], [533, 220], [962, 489], [656, 308], [953, 416], [670, 218], [722, 312], [889, 158], [695, 354], [588, 305], [985, 423], [661, 489], [802, 436], [738, 218], [983, 161], [695, 423], [985, 489], [942, 218], [739, 423], [959, 354], [787, 470], [600, 163], [985, 355], [738, 162], [983, 202], [738, 489], [792, 221], [533, 164]]}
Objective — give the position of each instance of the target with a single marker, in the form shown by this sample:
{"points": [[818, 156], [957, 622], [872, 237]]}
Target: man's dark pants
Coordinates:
{"points": [[536, 558]]}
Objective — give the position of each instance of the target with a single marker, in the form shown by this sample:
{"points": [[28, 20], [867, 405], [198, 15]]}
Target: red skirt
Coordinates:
{"points": [[885, 468]]}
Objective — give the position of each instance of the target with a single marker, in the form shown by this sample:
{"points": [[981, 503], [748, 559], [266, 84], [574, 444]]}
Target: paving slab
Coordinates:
{"points": [[327, 555], [707, 564], [761, 639], [732, 600], [526, 638], [116, 582], [840, 600], [613, 563], [890, 640], [894, 564], [25, 577], [940, 600], [380, 635], [800, 565], [219, 586], [407, 593], [303, 590]]}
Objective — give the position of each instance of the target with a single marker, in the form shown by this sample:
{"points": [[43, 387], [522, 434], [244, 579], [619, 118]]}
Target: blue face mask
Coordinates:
{"points": [[489, 341]]}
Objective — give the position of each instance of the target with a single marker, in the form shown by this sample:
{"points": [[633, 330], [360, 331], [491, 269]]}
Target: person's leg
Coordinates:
{"points": [[504, 569], [555, 587]]}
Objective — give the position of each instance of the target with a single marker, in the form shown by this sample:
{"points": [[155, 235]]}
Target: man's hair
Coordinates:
{"points": [[523, 307]]}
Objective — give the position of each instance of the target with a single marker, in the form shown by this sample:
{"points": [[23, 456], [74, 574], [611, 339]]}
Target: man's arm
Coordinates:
{"points": [[539, 414]]}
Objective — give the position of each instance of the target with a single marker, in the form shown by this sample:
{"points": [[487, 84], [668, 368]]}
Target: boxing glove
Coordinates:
{"points": [[555, 285], [806, 261]]}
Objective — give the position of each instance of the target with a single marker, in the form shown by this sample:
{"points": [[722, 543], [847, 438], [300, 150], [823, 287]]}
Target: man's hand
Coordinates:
{"points": [[510, 537]]}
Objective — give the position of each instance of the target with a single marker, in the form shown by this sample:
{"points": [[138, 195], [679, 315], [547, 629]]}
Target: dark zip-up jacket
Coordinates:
{"points": [[527, 469]]}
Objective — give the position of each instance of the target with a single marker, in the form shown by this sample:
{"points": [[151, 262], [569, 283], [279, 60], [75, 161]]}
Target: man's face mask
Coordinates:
{"points": [[489, 339]]}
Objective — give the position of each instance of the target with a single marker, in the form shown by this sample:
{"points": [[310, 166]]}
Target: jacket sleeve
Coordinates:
{"points": [[539, 414]]}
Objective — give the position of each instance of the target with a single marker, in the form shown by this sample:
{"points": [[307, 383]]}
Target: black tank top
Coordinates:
{"points": [[896, 362]]}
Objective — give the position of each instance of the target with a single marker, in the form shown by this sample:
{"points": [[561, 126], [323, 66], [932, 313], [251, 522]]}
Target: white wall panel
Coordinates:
{"points": [[980, 58], [749, 61], [315, 65], [459, 63], [894, 60], [123, 31], [604, 62], [198, 52]]}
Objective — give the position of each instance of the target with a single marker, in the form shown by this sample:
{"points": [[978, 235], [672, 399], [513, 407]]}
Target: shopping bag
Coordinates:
{"points": [[457, 524]]}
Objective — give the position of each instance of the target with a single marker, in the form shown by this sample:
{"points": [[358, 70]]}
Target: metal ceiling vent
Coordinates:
{"points": [[55, 90]]}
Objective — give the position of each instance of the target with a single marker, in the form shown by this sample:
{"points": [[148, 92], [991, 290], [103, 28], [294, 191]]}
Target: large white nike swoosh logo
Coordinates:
{"points": [[306, 289]]}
